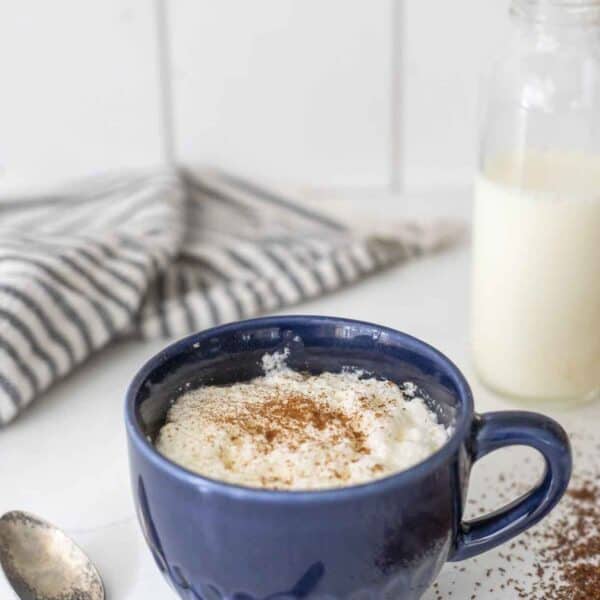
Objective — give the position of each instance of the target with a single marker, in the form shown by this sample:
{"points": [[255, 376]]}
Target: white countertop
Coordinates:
{"points": [[65, 458]]}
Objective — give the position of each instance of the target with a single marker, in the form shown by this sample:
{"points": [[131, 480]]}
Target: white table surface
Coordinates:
{"points": [[65, 458]]}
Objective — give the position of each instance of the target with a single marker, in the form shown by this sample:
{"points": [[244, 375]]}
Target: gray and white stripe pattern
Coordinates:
{"points": [[162, 254]]}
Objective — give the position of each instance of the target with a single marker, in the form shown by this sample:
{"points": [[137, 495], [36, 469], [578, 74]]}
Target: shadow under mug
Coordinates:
{"points": [[385, 539]]}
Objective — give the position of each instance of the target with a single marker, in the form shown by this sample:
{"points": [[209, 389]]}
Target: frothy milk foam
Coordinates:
{"points": [[289, 430]]}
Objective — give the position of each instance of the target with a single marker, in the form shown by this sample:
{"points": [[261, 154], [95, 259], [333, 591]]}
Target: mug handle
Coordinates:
{"points": [[495, 430]]}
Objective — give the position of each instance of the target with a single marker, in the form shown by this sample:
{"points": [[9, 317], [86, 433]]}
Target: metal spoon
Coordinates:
{"points": [[42, 563]]}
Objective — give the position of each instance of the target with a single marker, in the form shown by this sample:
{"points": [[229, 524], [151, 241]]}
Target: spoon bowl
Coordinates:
{"points": [[42, 563]]}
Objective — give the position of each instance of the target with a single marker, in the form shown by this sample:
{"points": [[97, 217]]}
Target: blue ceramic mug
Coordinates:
{"points": [[384, 539]]}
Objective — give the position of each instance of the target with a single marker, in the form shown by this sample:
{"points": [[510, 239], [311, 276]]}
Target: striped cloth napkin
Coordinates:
{"points": [[163, 254]]}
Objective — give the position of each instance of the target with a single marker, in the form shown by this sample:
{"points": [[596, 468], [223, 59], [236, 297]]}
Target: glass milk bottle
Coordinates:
{"points": [[536, 270]]}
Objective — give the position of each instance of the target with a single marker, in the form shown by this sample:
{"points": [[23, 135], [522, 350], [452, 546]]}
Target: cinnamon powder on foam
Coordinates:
{"points": [[290, 430]]}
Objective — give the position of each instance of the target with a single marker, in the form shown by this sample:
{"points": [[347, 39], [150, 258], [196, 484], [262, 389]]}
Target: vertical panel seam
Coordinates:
{"points": [[396, 150], [165, 82]]}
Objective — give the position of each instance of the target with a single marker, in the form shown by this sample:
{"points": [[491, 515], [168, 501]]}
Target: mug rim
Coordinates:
{"points": [[137, 437]]}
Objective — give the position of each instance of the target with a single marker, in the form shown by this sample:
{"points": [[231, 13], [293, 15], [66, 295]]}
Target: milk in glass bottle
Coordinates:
{"points": [[536, 269]]}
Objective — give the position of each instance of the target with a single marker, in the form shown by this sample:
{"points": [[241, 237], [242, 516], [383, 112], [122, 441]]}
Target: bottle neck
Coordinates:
{"points": [[557, 13]]}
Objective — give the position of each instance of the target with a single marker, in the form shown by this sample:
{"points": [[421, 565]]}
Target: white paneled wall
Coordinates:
{"points": [[312, 92], [79, 87], [291, 89], [446, 47]]}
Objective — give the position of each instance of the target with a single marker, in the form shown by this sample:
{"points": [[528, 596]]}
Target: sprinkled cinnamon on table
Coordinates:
{"points": [[565, 547]]}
